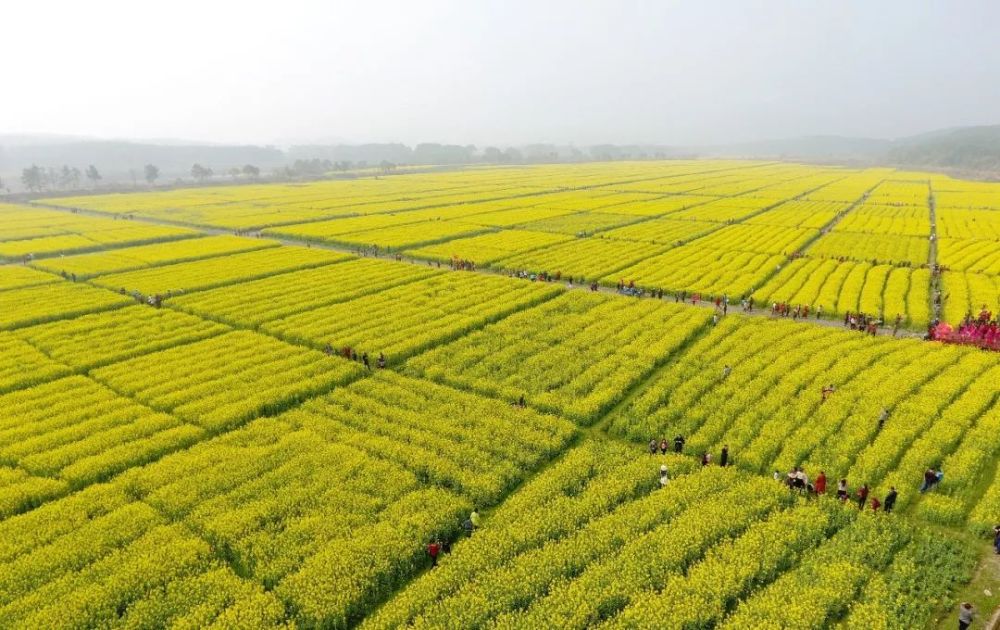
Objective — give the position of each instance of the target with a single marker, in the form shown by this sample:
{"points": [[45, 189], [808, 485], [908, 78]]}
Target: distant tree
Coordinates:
{"points": [[513, 155], [93, 175], [342, 165], [387, 166], [200, 172], [51, 178], [492, 155], [65, 177], [151, 173], [33, 178], [134, 175], [251, 171], [234, 173], [74, 176]]}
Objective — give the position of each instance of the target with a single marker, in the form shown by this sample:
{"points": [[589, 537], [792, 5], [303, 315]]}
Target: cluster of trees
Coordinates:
{"points": [[35, 178]]}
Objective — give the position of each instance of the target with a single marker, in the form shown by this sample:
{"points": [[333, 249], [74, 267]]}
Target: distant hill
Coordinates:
{"points": [[974, 149], [971, 150]]}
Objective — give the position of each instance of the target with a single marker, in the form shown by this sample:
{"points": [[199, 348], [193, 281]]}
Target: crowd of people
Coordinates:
{"points": [[797, 480], [982, 331], [351, 354], [796, 311], [864, 323]]}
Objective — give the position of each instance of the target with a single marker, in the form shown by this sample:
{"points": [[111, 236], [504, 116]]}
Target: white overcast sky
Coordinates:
{"points": [[504, 72]]}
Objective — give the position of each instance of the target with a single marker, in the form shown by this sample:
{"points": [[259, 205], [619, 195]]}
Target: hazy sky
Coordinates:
{"points": [[504, 72]]}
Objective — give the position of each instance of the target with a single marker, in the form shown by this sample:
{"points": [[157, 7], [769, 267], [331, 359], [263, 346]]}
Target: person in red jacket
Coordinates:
{"points": [[821, 483], [876, 504], [433, 549], [862, 496]]}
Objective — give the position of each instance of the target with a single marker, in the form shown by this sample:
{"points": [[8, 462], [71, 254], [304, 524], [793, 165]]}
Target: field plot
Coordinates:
{"points": [[129, 258], [892, 220], [975, 255], [574, 355], [98, 339], [257, 301], [590, 543], [725, 210], [35, 232], [874, 248], [24, 365], [488, 248], [588, 258], [660, 206], [219, 271], [757, 239], [222, 381], [967, 294], [968, 224], [301, 502], [842, 287], [581, 223], [97, 552], [932, 396], [12, 277], [804, 213], [407, 319], [47, 302], [666, 231], [701, 270], [77, 431], [409, 235]]}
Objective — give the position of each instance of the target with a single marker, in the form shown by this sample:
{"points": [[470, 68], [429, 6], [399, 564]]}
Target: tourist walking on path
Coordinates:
{"points": [[706, 459], [679, 444], [965, 614], [821, 483], [664, 478], [724, 456], [842, 489], [996, 538], [652, 446], [663, 446]]}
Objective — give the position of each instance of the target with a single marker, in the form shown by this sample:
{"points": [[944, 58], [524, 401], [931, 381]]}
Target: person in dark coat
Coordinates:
{"points": [[890, 500]]}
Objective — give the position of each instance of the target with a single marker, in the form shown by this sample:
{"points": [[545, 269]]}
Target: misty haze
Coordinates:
{"points": [[500, 315]]}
